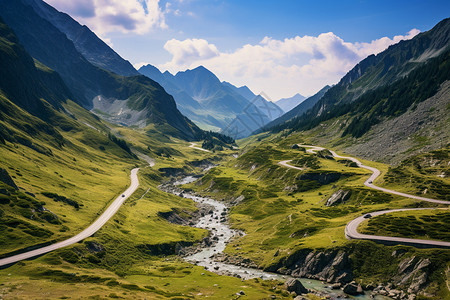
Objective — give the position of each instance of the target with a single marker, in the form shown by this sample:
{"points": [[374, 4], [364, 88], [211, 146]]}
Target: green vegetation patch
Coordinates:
{"points": [[433, 226], [424, 174], [63, 199]]}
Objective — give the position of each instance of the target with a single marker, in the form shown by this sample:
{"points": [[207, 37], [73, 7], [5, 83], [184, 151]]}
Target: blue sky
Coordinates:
{"points": [[279, 47]]}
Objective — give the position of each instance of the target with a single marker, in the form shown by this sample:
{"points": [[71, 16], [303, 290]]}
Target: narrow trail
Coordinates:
{"points": [[193, 145], [351, 228], [93, 228]]}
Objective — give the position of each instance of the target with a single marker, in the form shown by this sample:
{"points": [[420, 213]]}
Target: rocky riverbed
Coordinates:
{"points": [[213, 216]]}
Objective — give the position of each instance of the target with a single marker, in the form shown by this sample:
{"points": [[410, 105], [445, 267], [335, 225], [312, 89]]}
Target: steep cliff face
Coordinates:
{"points": [[329, 265]]}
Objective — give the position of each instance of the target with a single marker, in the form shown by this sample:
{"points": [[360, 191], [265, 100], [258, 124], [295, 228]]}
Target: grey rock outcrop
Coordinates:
{"points": [[329, 265], [413, 274], [321, 177], [94, 247], [338, 197]]}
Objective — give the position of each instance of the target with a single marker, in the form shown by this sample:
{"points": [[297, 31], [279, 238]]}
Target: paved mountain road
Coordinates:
{"points": [[351, 232], [94, 227], [351, 228]]}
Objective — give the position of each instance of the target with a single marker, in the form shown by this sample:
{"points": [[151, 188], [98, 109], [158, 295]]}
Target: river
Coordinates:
{"points": [[221, 233]]}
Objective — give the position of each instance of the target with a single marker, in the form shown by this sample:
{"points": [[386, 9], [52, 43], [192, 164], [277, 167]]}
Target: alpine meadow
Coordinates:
{"points": [[168, 149]]}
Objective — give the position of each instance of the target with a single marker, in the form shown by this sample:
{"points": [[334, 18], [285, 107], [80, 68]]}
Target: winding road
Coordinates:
{"points": [[94, 227], [351, 228]]}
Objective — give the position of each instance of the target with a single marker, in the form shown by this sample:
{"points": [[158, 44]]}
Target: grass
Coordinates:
{"points": [[427, 224], [280, 217], [77, 173], [424, 174], [134, 253], [277, 214], [156, 279], [122, 268]]}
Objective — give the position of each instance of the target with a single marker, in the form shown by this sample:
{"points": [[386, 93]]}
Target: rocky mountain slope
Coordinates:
{"points": [[133, 100], [244, 91], [85, 41], [381, 90], [34, 101]]}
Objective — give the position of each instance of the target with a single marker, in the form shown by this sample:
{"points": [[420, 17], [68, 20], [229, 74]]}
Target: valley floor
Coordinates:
{"points": [[283, 209]]}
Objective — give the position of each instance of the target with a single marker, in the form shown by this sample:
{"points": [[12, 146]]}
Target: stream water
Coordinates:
{"points": [[221, 234]]}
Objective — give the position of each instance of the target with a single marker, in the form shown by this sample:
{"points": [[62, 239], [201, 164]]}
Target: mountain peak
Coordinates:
{"points": [[149, 67], [199, 74], [87, 43], [200, 70], [242, 90], [287, 104]]}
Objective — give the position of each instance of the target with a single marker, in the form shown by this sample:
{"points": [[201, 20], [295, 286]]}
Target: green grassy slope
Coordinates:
{"points": [[68, 165], [283, 211]]}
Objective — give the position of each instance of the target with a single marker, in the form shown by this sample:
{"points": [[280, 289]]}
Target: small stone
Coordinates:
{"points": [[336, 286]]}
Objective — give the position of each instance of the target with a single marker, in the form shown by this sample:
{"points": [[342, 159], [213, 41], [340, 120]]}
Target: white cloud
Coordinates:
{"points": [[280, 68], [187, 51], [104, 16]]}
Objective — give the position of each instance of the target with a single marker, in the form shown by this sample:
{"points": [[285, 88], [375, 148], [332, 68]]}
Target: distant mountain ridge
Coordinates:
{"points": [[244, 91], [286, 104], [299, 110], [213, 104]]}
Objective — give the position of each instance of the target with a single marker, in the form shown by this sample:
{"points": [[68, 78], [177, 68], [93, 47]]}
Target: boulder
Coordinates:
{"points": [[353, 289], [294, 285]]}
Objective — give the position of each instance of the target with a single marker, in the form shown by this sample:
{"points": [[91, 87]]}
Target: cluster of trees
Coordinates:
{"points": [[216, 141]]}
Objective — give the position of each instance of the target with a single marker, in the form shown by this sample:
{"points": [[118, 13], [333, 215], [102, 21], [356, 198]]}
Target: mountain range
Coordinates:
{"points": [[81, 58], [135, 100], [215, 105], [76, 119]]}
